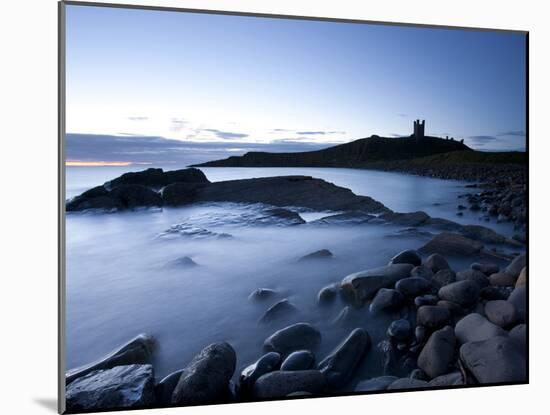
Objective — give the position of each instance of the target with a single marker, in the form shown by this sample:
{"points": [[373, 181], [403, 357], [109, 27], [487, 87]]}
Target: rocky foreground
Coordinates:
{"points": [[459, 328]]}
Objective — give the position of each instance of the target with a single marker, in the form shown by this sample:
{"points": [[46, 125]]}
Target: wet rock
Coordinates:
{"points": [[407, 257], [400, 330], [471, 274], [437, 356], [206, 379], [413, 286], [444, 277], [375, 384], [483, 234], [165, 388], [362, 286], [136, 351], [487, 268], [433, 316], [406, 219], [407, 383], [427, 299], [121, 387], [346, 218], [295, 337], [178, 194], [285, 216], [299, 360], [385, 299], [495, 360], [279, 384], [492, 292], [422, 271], [321, 254], [265, 364], [474, 327], [328, 294], [183, 262], [343, 318], [502, 279], [420, 334], [436, 263], [501, 312], [517, 265], [261, 294], [522, 280], [132, 196], [519, 299], [339, 366], [157, 178], [519, 335], [450, 379], [454, 308], [419, 374], [463, 293], [447, 243], [278, 310]]}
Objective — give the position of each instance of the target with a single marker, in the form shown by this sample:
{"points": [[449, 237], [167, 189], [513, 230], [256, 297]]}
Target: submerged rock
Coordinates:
{"points": [[260, 294], [279, 384], [206, 379], [298, 336], [409, 256], [278, 310], [406, 219], [328, 294], [136, 351], [265, 364], [339, 365], [321, 254], [447, 243], [121, 387], [183, 262], [344, 317], [165, 388], [436, 262], [386, 298]]}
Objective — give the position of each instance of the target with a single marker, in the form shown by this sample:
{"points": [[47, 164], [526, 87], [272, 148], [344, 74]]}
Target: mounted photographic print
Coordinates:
{"points": [[258, 207]]}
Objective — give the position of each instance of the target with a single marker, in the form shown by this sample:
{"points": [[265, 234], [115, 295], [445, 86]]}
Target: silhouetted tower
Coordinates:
{"points": [[419, 129]]}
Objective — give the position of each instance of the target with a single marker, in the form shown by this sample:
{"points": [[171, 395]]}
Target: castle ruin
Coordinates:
{"points": [[419, 129]]}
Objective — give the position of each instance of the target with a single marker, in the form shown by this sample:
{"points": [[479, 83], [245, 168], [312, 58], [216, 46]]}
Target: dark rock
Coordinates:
{"points": [[483, 234], [406, 219], [400, 330], [165, 388], [339, 365], [265, 364], [278, 310], [433, 316], [287, 216], [121, 387], [261, 294], [328, 294], [422, 271], [321, 254], [386, 298], [517, 265], [463, 293], [447, 243], [437, 356], [419, 374], [407, 383], [427, 299], [501, 312], [420, 333], [519, 299], [375, 384], [157, 178], [450, 379], [347, 218], [183, 262], [299, 360], [436, 263], [472, 275], [413, 286], [495, 360], [362, 286], [132, 196], [295, 337], [206, 379], [407, 257], [444, 277], [454, 308], [343, 318], [279, 384], [136, 351], [502, 279], [519, 335], [492, 292], [474, 327], [178, 194], [486, 268]]}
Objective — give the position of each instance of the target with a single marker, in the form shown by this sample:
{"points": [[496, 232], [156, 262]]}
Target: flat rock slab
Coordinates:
{"points": [[447, 243], [121, 387]]}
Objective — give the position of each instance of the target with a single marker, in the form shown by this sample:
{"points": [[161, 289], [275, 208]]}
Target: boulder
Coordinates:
{"points": [[450, 379], [280, 383], [321, 254], [517, 265], [375, 384], [437, 356], [343, 318], [386, 298], [448, 243], [157, 178], [501, 312], [463, 293], [408, 256], [407, 383], [522, 279], [436, 263], [278, 310], [250, 374], [454, 308], [494, 292], [518, 298], [339, 366], [487, 268], [362, 286], [400, 330], [495, 360], [502, 279], [165, 388], [260, 294], [413, 286], [426, 299], [444, 277], [299, 360], [295, 337], [474, 327], [433, 316], [95, 198], [471, 274], [206, 379], [328, 294], [121, 387], [136, 351], [132, 196], [422, 271]]}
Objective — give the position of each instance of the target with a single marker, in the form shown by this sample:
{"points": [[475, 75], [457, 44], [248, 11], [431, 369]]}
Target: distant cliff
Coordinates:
{"points": [[358, 153]]}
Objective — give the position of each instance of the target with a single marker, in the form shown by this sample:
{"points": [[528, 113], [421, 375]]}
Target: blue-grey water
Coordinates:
{"points": [[120, 283]]}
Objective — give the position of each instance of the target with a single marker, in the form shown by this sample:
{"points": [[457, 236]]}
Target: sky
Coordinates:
{"points": [[205, 79]]}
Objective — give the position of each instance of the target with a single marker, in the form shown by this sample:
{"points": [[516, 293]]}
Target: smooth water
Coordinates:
{"points": [[120, 280]]}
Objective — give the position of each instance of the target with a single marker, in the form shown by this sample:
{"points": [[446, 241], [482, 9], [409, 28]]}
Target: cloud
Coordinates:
{"points": [[140, 118], [319, 132], [516, 133], [226, 135], [177, 124], [402, 115]]}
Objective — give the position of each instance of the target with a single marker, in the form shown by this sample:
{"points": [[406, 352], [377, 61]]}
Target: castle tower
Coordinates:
{"points": [[419, 128]]}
